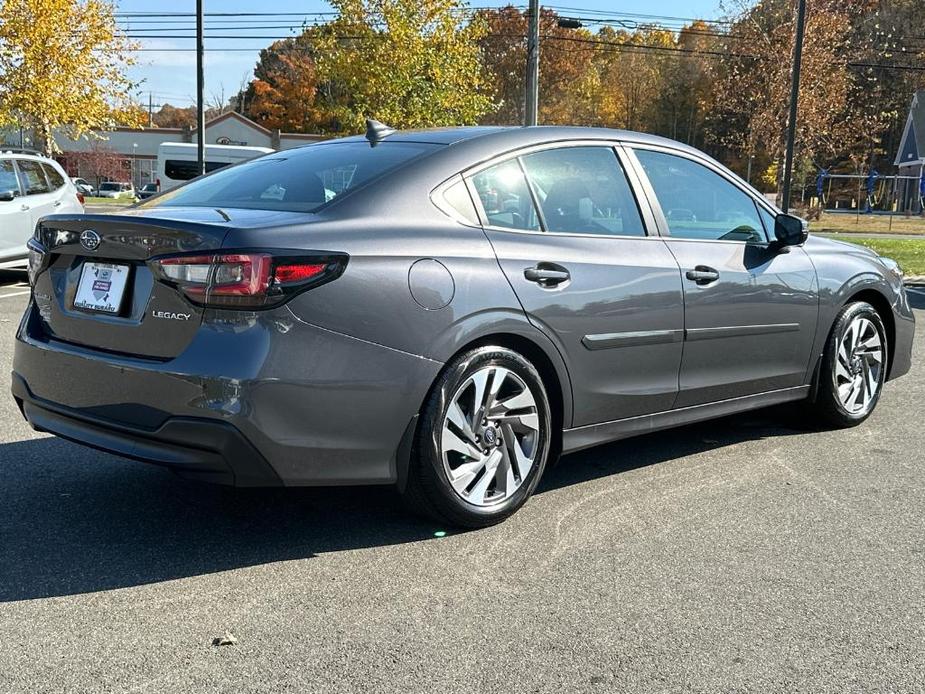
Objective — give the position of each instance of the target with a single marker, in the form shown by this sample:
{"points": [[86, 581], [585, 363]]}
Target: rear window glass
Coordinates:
{"points": [[298, 180], [56, 179], [8, 177], [110, 186], [183, 170], [32, 177]]}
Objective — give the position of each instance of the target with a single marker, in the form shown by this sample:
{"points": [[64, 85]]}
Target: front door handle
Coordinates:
{"points": [[24, 208], [57, 203], [703, 274], [547, 274]]}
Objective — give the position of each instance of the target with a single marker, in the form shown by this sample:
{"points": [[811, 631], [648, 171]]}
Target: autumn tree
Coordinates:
{"points": [[684, 93], [101, 162], [169, 116], [752, 85], [408, 63], [62, 65], [632, 75], [284, 93], [568, 82]]}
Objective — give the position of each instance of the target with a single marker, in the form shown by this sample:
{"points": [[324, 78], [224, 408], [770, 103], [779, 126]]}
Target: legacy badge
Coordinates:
{"points": [[171, 315]]}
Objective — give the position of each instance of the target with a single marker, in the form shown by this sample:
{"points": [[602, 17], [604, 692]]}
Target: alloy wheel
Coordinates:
{"points": [[859, 366], [490, 436]]}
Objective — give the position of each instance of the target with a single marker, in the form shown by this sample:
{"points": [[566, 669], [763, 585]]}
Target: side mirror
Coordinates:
{"points": [[7, 195], [790, 230]]}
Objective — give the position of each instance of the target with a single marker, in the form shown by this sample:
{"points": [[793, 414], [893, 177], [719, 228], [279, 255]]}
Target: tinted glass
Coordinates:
{"points": [[768, 220], [505, 197], [33, 179], [56, 179], [298, 180], [110, 187], [583, 190], [457, 196], [698, 203], [180, 170], [8, 179]]}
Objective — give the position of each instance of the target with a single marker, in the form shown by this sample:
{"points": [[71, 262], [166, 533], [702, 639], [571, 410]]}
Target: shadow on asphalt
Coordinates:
{"points": [[73, 520], [8, 277]]}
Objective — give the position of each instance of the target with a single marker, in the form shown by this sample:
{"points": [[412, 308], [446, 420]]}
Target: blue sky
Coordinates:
{"points": [[169, 72]]}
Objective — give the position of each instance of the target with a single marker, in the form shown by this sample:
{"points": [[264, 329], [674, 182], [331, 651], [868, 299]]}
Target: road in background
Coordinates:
{"points": [[745, 554]]}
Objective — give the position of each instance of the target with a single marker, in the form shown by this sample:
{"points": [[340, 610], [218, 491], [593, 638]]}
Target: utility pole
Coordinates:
{"points": [[794, 97], [531, 104], [150, 110], [200, 91]]}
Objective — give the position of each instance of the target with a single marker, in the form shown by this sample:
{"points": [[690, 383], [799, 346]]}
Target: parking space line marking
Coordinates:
{"points": [[7, 296]]}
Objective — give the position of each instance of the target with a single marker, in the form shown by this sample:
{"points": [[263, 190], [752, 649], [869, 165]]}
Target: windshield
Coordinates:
{"points": [[297, 180], [150, 186]]}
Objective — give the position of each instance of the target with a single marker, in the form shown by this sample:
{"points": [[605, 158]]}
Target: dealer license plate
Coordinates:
{"points": [[101, 287]]}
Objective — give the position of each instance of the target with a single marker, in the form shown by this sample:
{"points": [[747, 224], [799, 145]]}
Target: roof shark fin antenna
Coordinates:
{"points": [[376, 131]]}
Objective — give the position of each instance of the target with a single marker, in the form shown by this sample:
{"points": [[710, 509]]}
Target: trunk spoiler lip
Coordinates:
{"points": [[224, 218]]}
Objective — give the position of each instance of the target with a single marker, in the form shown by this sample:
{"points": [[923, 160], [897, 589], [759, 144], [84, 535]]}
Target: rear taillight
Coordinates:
{"points": [[80, 198], [244, 279], [157, 182], [38, 258]]}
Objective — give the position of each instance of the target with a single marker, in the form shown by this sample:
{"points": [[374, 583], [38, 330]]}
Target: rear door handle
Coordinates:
{"points": [[703, 274], [57, 203], [24, 208], [547, 274]]}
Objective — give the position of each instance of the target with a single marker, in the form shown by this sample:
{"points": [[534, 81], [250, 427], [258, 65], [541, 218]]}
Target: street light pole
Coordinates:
{"points": [[531, 104], [794, 97], [200, 91]]}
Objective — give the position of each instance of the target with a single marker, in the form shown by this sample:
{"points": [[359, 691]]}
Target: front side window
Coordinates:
{"points": [[583, 190], [56, 179], [8, 180], [32, 176], [297, 180], [506, 197], [699, 203]]}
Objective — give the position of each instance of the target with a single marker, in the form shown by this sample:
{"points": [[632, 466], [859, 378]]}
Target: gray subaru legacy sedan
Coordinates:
{"points": [[446, 311]]}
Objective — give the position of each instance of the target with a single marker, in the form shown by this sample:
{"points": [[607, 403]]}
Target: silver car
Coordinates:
{"points": [[446, 311]]}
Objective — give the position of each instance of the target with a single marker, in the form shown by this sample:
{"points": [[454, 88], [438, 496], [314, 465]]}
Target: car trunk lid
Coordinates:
{"points": [[122, 308]]}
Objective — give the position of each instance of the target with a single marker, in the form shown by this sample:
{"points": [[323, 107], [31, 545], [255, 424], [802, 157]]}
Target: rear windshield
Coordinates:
{"points": [[298, 180]]}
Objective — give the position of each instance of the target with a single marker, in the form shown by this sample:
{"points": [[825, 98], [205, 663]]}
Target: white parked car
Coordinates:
{"points": [[114, 189], [31, 186], [83, 186]]}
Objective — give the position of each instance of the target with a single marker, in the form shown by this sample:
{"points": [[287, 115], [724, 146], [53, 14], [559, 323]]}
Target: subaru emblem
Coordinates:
{"points": [[89, 239]]}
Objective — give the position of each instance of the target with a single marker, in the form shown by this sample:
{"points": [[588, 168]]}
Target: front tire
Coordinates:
{"points": [[483, 440], [854, 366]]}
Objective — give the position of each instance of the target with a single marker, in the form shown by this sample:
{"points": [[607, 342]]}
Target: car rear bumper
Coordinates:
{"points": [[199, 449], [268, 399]]}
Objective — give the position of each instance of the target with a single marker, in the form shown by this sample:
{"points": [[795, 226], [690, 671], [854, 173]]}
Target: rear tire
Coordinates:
{"points": [[853, 368], [483, 440]]}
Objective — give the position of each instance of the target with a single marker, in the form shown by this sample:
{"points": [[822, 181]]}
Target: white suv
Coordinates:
{"points": [[31, 186]]}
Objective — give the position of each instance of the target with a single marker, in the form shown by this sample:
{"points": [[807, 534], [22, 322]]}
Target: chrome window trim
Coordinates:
{"points": [[645, 210], [711, 166], [441, 203]]}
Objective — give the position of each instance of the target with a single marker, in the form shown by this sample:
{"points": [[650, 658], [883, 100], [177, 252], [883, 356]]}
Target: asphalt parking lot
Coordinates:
{"points": [[746, 554]]}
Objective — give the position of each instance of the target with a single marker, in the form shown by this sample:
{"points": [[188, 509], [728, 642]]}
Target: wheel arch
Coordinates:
{"points": [[540, 351], [884, 308]]}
